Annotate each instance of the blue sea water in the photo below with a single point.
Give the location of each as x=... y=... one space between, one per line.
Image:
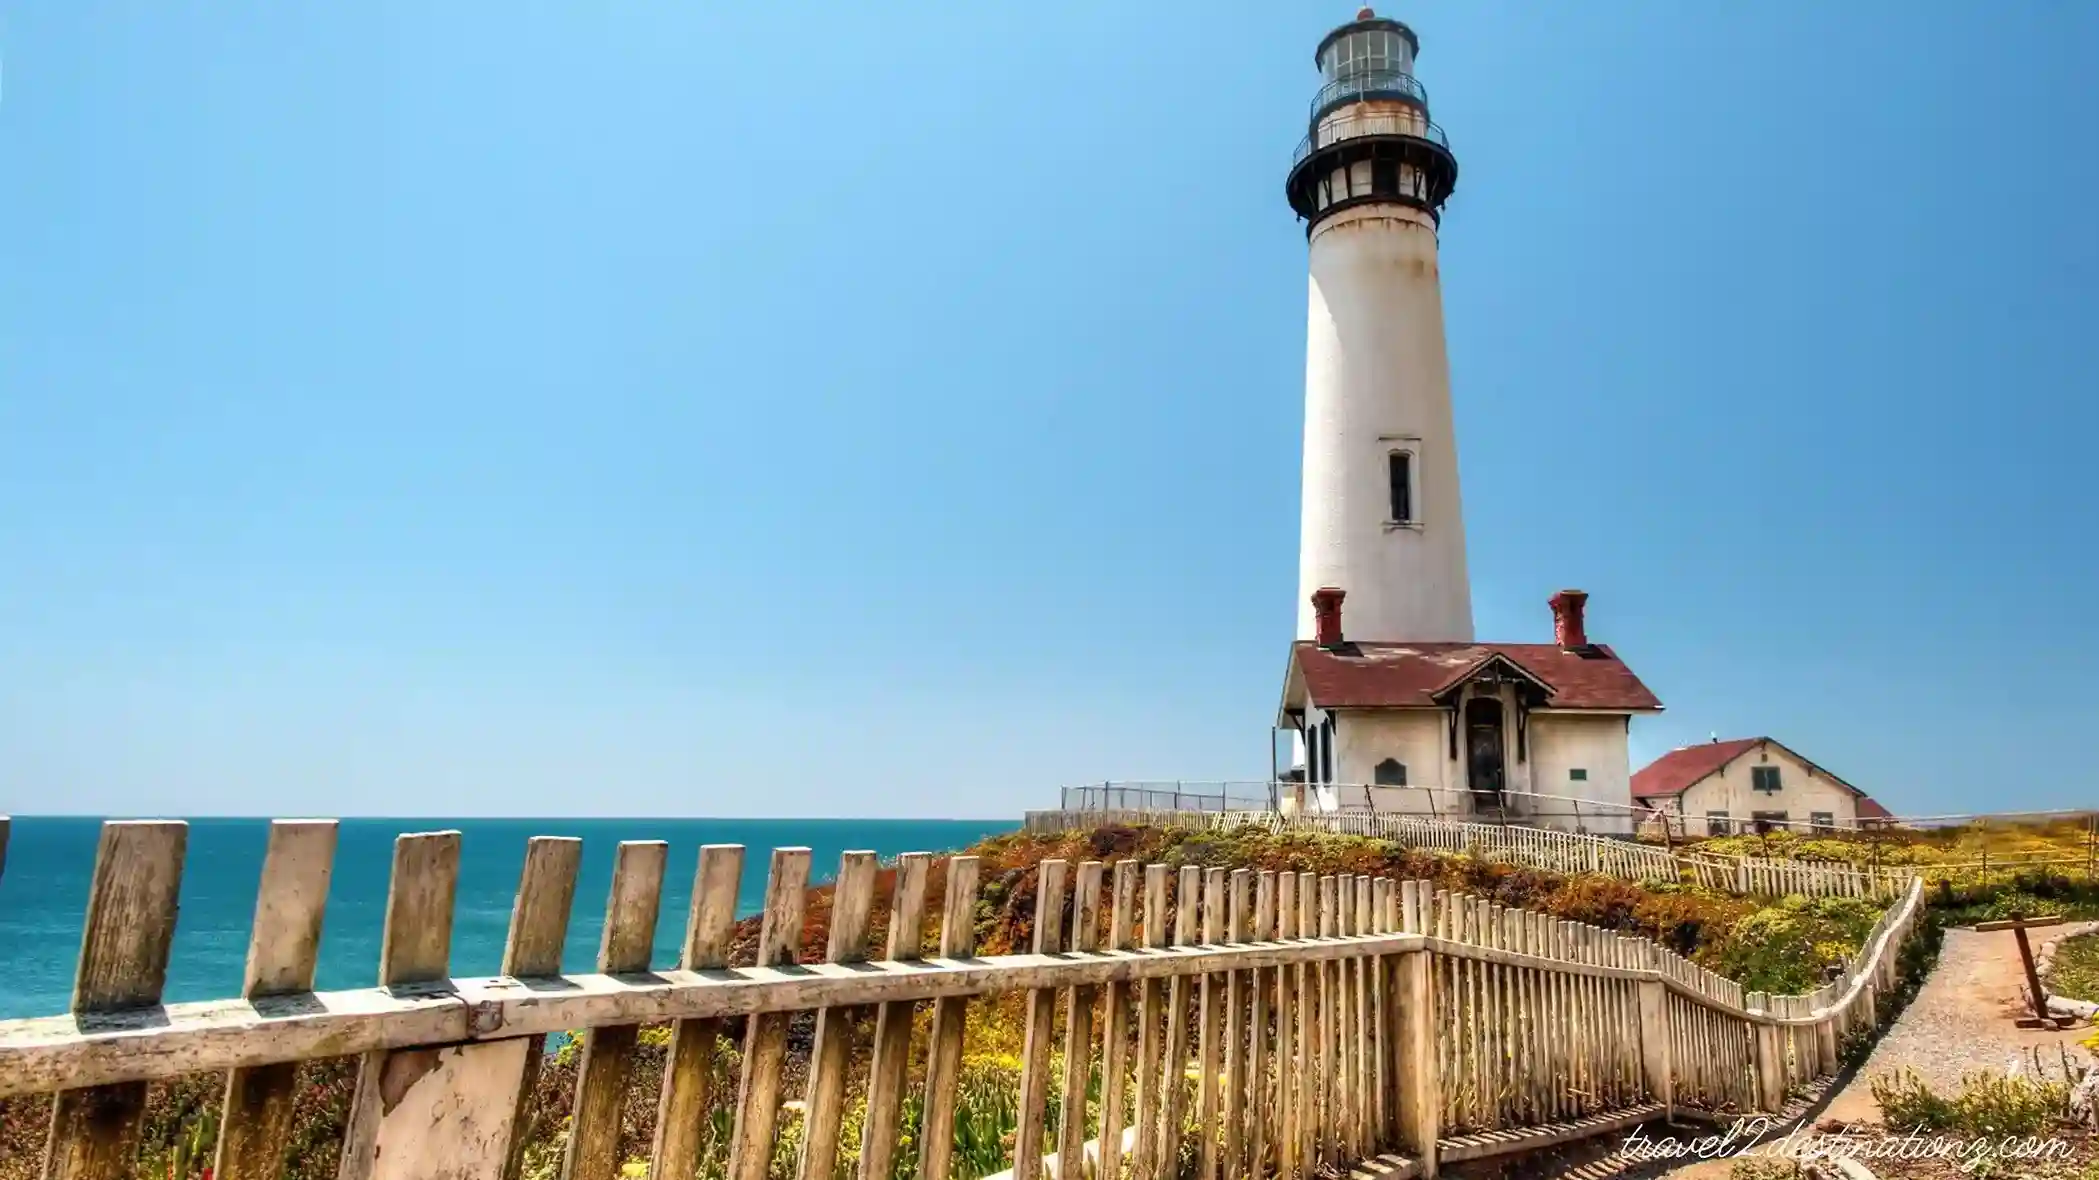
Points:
x=49 y=860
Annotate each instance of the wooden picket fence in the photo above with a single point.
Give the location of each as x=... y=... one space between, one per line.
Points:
x=1539 y=848
x=1761 y=877
x=1252 y=1024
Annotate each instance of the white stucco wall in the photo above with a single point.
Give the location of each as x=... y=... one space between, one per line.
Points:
x=1802 y=792
x=1596 y=743
x=1557 y=744
x=1416 y=737
x=1377 y=380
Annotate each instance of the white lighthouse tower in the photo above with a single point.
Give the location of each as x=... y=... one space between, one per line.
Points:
x=1382 y=519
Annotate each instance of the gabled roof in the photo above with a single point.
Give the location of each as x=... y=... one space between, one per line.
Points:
x=1414 y=675
x=1677 y=771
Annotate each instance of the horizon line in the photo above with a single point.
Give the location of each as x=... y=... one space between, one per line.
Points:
x=594 y=818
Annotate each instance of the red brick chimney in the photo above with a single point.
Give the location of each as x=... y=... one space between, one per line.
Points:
x=1567 y=628
x=1326 y=615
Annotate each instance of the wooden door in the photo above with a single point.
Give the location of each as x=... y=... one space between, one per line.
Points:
x=1484 y=768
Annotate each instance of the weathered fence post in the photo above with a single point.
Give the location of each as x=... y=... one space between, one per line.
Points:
x=836 y=1040
x=129 y=929
x=1769 y=1049
x=689 y=1060
x=765 y=1035
x=944 y=1043
x=282 y=950
x=1115 y=1029
x=539 y=918
x=1420 y=1104
x=431 y=1110
x=1826 y=1043
x=624 y=945
x=1655 y=1055
x=1041 y=1017
x=1078 y=1027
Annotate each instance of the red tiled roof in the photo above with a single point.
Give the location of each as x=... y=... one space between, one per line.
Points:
x=1672 y=772
x=1410 y=675
x=1677 y=770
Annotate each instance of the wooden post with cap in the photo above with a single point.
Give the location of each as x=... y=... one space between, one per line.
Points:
x=2019 y=924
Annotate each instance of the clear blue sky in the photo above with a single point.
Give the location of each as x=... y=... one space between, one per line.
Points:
x=857 y=409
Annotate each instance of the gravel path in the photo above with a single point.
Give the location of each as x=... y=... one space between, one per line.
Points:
x=1960 y=1023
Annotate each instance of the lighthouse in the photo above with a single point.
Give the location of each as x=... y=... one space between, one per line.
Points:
x=1389 y=701
x=1381 y=512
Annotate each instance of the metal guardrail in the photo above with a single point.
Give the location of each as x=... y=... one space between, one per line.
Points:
x=1341 y=130
x=1418 y=801
x=1369 y=84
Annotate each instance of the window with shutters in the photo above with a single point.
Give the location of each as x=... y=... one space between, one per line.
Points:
x=1764 y=778
x=1389 y=773
x=1399 y=467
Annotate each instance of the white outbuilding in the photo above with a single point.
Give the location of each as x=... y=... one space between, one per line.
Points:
x=1720 y=788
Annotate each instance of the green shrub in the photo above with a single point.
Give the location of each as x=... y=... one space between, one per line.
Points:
x=1992 y=1105
x=1907 y=1104
x=2076 y=970
x=1998 y=1105
x=1764 y=1167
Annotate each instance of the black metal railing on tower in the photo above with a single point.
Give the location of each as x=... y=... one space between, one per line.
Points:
x=1336 y=130
x=1362 y=84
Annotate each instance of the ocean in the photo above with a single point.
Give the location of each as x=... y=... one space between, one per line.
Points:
x=50 y=860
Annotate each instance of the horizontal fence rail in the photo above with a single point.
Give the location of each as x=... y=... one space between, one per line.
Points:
x=1519 y=807
x=1182 y=1020
x=1524 y=808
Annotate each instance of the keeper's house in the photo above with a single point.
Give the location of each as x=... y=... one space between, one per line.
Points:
x=1529 y=731
x=1749 y=785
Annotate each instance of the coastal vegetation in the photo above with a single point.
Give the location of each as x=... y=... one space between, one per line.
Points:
x=1782 y=946
x=2076 y=972
x=2068 y=845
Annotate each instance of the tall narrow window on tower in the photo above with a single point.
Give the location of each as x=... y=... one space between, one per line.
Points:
x=1400 y=467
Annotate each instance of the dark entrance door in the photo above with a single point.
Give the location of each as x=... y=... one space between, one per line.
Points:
x=1483 y=748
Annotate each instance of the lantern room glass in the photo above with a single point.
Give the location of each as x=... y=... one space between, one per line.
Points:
x=1368 y=51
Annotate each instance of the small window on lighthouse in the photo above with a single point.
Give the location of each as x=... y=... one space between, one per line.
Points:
x=1400 y=466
